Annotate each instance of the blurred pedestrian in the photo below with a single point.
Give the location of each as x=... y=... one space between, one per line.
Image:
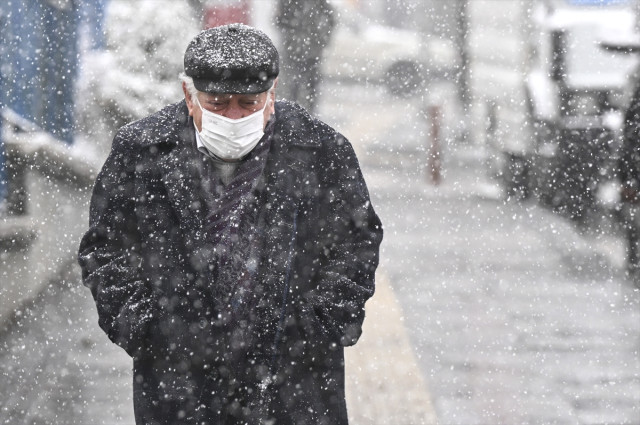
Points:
x=39 y=63
x=629 y=174
x=232 y=246
x=305 y=28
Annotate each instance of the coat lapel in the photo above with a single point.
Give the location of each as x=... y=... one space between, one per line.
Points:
x=182 y=171
x=294 y=147
x=289 y=173
x=183 y=178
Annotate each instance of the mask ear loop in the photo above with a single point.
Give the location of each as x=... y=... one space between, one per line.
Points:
x=197 y=101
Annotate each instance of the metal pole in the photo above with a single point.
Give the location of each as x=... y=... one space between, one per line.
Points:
x=463 y=49
x=4 y=34
x=434 y=163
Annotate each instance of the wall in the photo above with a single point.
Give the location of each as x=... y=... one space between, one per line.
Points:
x=51 y=187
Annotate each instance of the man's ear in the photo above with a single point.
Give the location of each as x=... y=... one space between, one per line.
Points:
x=187 y=98
x=273 y=91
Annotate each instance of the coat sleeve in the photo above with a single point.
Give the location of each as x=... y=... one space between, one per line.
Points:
x=109 y=253
x=350 y=237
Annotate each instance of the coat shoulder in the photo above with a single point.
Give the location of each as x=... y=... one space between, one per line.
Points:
x=160 y=127
x=301 y=129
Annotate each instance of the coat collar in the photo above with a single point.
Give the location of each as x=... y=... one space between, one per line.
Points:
x=295 y=126
x=295 y=138
x=172 y=126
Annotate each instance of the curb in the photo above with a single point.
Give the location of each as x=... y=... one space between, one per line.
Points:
x=384 y=384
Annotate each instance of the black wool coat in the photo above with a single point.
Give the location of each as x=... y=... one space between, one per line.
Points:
x=148 y=259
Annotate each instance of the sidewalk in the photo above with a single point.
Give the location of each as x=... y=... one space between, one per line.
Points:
x=516 y=316
x=384 y=384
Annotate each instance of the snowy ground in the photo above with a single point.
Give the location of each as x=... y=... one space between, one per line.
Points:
x=513 y=316
x=516 y=316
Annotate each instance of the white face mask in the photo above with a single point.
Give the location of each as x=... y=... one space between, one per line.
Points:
x=231 y=139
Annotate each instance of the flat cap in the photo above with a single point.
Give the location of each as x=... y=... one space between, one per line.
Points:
x=232 y=58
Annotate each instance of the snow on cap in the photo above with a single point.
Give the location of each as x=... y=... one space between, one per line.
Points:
x=232 y=58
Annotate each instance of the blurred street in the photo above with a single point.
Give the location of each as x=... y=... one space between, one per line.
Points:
x=514 y=315
x=487 y=312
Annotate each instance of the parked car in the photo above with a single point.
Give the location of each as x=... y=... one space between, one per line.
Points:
x=624 y=193
x=401 y=59
x=575 y=142
x=550 y=96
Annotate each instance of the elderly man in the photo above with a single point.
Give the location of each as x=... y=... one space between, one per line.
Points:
x=232 y=246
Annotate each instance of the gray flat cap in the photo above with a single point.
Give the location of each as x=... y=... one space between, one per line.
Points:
x=232 y=58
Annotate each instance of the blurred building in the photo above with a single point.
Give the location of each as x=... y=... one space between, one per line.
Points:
x=41 y=63
x=39 y=46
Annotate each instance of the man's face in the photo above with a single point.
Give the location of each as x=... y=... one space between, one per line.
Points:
x=233 y=106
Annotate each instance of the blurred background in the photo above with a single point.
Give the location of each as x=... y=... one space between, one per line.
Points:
x=492 y=136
